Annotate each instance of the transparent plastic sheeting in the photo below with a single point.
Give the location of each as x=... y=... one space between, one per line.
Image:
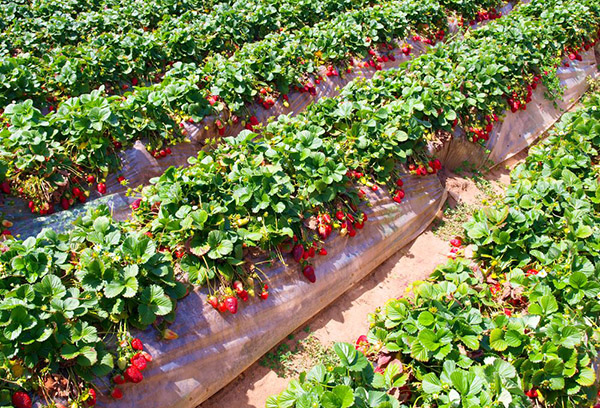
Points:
x=139 y=166
x=213 y=348
x=521 y=129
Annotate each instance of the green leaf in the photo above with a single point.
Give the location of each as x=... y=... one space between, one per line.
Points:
x=497 y=341
x=586 y=377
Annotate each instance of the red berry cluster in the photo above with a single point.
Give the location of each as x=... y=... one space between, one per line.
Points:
x=132 y=361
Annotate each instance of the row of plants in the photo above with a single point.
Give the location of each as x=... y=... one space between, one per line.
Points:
x=119 y=59
x=221 y=26
x=68 y=299
x=44 y=157
x=50 y=73
x=519 y=327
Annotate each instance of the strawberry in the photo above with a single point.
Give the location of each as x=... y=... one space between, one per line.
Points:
x=254 y=120
x=309 y=273
x=136 y=204
x=339 y=215
x=91 y=401
x=5 y=186
x=264 y=295
x=101 y=187
x=133 y=374
x=311 y=252
x=222 y=307
x=20 y=399
x=437 y=165
x=91 y=179
x=243 y=295
x=359 y=225
x=147 y=356
x=237 y=285
x=399 y=183
x=323 y=252
x=231 y=304
x=119 y=379
x=134 y=81
x=116 y=393
x=120 y=179
x=162 y=153
x=64 y=203
x=82 y=198
x=456 y=242
x=213 y=301
x=374 y=187
x=76 y=191
x=507 y=312
x=326 y=219
x=137 y=344
x=298 y=252
x=532 y=272
x=139 y=361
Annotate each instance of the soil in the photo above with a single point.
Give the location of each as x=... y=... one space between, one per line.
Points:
x=346 y=318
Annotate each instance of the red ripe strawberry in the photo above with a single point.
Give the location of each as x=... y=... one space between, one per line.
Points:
x=82 y=198
x=309 y=273
x=411 y=167
x=375 y=187
x=133 y=374
x=326 y=218
x=311 y=252
x=231 y=304
x=298 y=252
x=400 y=194
x=254 y=120
x=532 y=272
x=213 y=301
x=359 y=225
x=323 y=252
x=91 y=179
x=91 y=401
x=572 y=56
x=5 y=187
x=139 y=361
x=120 y=179
x=264 y=295
x=76 y=191
x=437 y=164
x=243 y=295
x=20 y=399
x=222 y=307
x=237 y=285
x=101 y=187
x=64 y=203
x=351 y=231
x=456 y=242
x=136 y=204
x=350 y=217
x=134 y=81
x=339 y=215
x=137 y=344
x=118 y=379
x=116 y=393
x=507 y=312
x=147 y=356
x=162 y=153
x=322 y=229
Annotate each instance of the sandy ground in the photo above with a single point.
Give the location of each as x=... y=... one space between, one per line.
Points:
x=346 y=318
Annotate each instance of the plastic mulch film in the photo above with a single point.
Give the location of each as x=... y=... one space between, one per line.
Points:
x=213 y=348
x=139 y=166
x=519 y=130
